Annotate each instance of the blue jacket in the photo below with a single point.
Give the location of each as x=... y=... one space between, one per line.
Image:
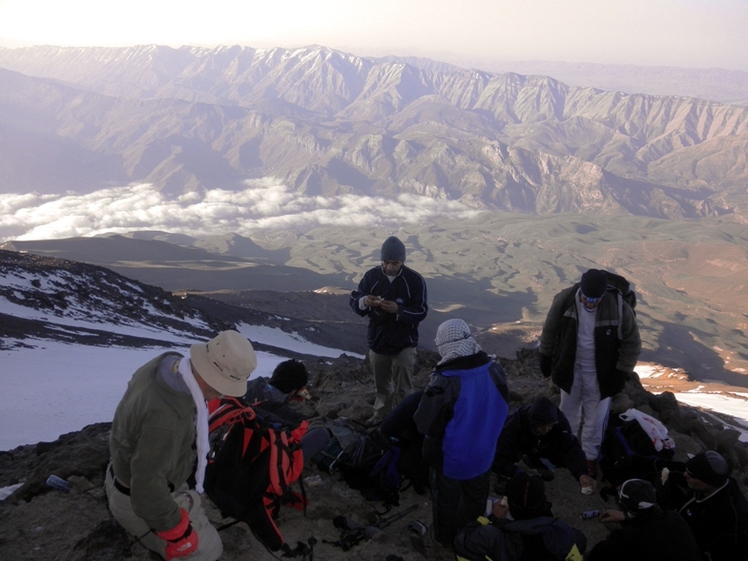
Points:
x=389 y=334
x=461 y=415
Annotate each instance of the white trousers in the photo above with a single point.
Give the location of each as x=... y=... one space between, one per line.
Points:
x=584 y=406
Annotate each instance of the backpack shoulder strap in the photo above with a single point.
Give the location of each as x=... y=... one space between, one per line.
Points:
x=229 y=411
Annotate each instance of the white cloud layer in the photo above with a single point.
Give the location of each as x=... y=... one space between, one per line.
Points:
x=264 y=204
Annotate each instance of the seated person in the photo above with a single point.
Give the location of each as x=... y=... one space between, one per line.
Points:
x=647 y=533
x=401 y=429
x=521 y=527
x=271 y=397
x=541 y=432
x=287 y=383
x=711 y=503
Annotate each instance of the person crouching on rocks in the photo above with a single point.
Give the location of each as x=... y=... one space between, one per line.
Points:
x=158 y=424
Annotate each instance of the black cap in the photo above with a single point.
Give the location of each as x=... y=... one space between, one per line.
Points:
x=594 y=283
x=525 y=494
x=637 y=494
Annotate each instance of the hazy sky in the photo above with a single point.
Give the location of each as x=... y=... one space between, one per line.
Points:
x=685 y=33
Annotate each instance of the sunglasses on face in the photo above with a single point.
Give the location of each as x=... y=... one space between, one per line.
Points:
x=588 y=300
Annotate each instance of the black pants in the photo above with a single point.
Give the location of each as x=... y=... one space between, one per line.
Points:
x=456 y=502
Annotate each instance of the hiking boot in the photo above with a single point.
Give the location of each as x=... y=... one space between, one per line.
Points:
x=592 y=468
x=375 y=420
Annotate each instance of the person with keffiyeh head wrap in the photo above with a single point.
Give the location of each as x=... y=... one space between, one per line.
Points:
x=159 y=438
x=460 y=415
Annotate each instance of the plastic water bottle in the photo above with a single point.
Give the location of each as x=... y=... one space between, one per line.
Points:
x=59 y=483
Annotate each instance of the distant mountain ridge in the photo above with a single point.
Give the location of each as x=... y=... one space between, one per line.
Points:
x=327 y=123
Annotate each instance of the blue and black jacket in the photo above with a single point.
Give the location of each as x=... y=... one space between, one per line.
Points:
x=461 y=415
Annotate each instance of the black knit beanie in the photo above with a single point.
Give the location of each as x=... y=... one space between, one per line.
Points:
x=709 y=467
x=289 y=376
x=594 y=283
x=542 y=413
x=393 y=250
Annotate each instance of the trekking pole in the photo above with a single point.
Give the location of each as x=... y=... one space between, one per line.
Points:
x=384 y=522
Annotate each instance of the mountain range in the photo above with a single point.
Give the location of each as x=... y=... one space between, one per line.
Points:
x=650 y=186
x=324 y=123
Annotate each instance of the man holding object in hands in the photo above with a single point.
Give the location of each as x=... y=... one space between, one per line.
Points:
x=393 y=297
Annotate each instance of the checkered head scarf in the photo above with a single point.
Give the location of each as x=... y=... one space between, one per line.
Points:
x=453 y=339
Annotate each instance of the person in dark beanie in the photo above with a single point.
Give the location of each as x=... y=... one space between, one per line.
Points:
x=394 y=298
x=287 y=383
x=520 y=527
x=647 y=533
x=273 y=398
x=589 y=346
x=540 y=433
x=711 y=503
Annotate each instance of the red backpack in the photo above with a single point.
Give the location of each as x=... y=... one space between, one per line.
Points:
x=253 y=462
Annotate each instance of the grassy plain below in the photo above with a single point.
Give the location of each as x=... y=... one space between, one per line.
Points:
x=498 y=271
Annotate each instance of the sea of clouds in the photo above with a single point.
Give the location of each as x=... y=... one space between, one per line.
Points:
x=263 y=204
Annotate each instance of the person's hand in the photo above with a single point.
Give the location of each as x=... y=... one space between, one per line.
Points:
x=181 y=540
x=372 y=301
x=664 y=474
x=389 y=306
x=611 y=515
x=500 y=508
x=587 y=483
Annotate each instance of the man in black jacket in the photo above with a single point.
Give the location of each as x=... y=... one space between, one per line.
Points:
x=712 y=505
x=647 y=533
x=589 y=345
x=394 y=299
x=541 y=433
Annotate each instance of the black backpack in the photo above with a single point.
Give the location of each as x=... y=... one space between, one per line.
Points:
x=623 y=287
x=627 y=452
x=254 y=460
x=372 y=468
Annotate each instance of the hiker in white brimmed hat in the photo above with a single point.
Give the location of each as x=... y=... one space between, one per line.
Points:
x=159 y=423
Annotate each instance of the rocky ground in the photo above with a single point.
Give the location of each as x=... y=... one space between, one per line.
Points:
x=40 y=523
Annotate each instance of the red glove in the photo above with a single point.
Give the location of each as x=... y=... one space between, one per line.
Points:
x=181 y=540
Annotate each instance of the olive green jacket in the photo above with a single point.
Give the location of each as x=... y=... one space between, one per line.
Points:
x=151 y=443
